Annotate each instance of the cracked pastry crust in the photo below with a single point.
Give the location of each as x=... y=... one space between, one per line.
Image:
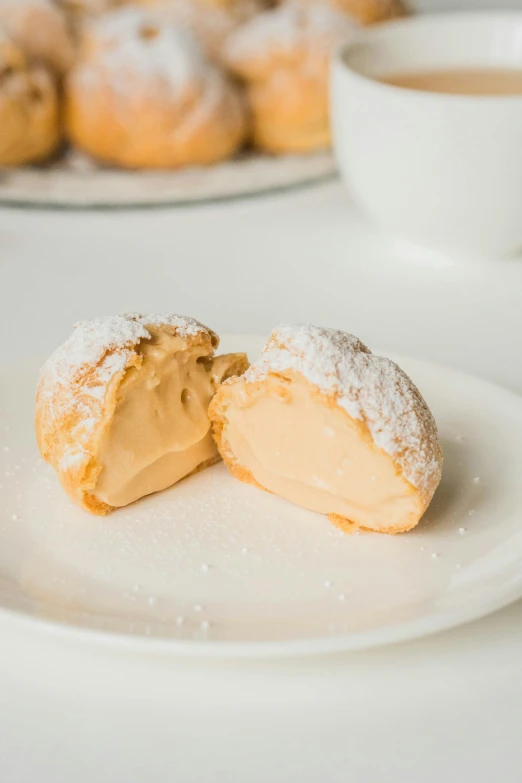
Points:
x=367 y=402
x=121 y=397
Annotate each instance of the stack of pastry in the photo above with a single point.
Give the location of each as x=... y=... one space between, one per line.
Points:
x=170 y=83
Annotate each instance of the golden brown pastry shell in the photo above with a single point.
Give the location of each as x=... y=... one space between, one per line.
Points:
x=290 y=111
x=218 y=416
x=30 y=116
x=56 y=422
x=148 y=131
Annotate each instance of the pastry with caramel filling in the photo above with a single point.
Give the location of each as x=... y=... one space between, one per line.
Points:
x=121 y=406
x=322 y=422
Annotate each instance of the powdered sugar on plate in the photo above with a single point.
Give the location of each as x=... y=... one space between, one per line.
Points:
x=370 y=388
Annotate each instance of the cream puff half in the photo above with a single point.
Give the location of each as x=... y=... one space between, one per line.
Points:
x=326 y=424
x=121 y=406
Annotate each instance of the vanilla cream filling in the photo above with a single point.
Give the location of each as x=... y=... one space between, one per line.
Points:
x=160 y=431
x=316 y=456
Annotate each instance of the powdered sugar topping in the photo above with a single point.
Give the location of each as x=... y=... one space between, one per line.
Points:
x=211 y=25
x=139 y=48
x=184 y=326
x=105 y=345
x=314 y=26
x=89 y=344
x=370 y=388
x=75 y=379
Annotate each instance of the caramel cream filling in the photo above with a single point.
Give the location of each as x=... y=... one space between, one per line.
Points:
x=160 y=431
x=316 y=456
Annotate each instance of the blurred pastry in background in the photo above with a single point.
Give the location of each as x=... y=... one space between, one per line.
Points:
x=29 y=108
x=283 y=57
x=211 y=24
x=79 y=10
x=239 y=10
x=171 y=83
x=145 y=95
x=370 y=11
x=41 y=29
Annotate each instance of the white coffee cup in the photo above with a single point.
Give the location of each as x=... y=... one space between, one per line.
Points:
x=442 y=170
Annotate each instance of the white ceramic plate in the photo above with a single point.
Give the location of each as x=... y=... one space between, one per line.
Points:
x=215 y=567
x=77 y=182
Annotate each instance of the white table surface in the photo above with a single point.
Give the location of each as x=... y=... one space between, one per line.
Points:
x=447 y=708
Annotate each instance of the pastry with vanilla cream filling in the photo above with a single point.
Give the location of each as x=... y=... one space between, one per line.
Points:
x=122 y=406
x=144 y=94
x=326 y=424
